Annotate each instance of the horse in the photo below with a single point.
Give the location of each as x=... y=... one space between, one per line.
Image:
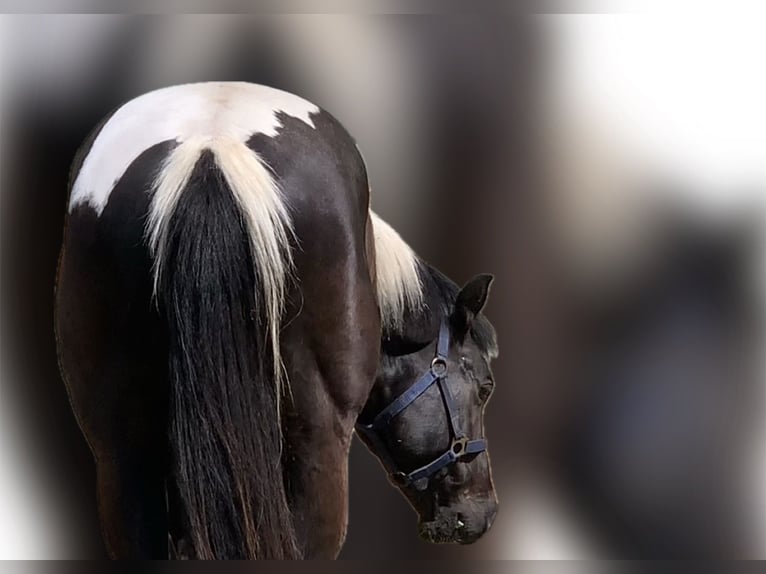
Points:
x=230 y=311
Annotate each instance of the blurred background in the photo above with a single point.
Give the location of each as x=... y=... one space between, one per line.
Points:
x=609 y=169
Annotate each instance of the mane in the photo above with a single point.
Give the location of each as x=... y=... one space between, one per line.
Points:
x=398 y=282
x=482 y=332
x=410 y=289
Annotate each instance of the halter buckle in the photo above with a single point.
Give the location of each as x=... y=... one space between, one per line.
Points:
x=439 y=367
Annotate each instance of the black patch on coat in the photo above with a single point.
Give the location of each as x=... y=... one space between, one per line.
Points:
x=112 y=354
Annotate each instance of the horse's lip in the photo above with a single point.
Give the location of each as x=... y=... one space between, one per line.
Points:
x=435 y=532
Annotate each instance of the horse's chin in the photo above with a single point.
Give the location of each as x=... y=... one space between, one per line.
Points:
x=464 y=522
x=445 y=531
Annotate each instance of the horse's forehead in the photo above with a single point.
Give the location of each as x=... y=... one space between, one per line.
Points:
x=232 y=109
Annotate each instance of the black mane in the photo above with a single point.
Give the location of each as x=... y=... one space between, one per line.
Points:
x=445 y=291
x=421 y=325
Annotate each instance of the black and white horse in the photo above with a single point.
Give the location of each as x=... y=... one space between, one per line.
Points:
x=228 y=310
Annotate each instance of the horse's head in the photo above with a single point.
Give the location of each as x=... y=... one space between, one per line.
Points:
x=425 y=416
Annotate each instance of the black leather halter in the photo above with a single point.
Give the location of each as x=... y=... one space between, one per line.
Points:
x=460 y=446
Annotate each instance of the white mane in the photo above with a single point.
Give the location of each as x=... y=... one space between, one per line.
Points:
x=397 y=274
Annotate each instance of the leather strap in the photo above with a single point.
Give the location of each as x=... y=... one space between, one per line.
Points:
x=442 y=347
x=471 y=447
x=404 y=400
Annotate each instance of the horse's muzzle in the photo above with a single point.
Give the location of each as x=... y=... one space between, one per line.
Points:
x=461 y=523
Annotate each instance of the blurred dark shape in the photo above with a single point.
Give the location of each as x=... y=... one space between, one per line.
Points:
x=657 y=450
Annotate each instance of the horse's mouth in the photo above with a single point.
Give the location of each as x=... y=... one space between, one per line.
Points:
x=460 y=524
x=448 y=532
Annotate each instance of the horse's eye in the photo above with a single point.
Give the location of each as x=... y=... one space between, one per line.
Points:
x=485 y=390
x=466 y=363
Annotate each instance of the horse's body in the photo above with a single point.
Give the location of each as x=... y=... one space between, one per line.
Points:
x=227 y=300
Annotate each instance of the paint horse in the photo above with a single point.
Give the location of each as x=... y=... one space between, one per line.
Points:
x=229 y=310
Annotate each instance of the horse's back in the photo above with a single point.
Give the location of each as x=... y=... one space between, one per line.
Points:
x=295 y=137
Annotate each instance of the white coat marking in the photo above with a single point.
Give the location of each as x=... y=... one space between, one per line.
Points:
x=236 y=110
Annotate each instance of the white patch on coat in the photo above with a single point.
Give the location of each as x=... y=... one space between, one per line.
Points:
x=236 y=110
x=398 y=282
x=262 y=205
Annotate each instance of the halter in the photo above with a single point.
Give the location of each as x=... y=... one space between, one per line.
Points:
x=460 y=447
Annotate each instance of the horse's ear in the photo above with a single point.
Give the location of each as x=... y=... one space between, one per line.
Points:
x=470 y=301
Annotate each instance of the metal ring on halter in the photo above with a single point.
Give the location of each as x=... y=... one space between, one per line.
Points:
x=458 y=446
x=439 y=367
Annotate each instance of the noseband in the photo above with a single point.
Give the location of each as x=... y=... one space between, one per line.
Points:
x=460 y=445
